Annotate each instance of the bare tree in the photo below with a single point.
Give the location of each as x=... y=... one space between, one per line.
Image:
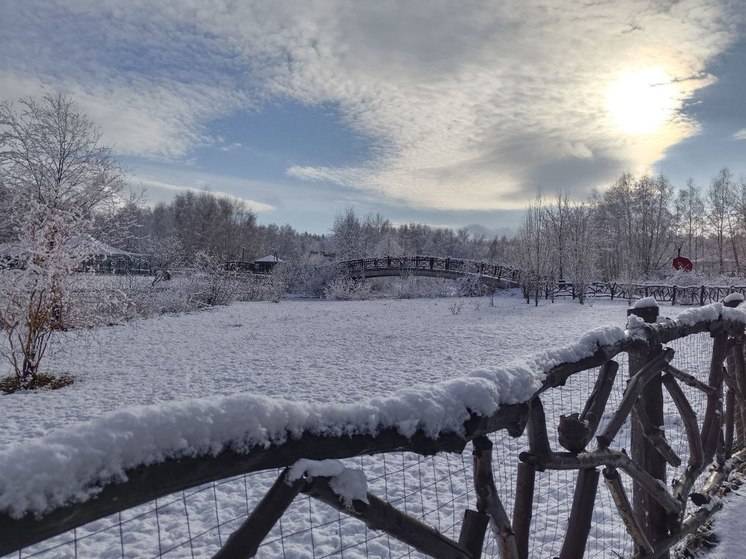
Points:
x=720 y=198
x=56 y=175
x=690 y=210
x=579 y=247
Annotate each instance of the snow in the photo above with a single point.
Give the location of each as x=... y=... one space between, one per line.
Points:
x=645 y=303
x=348 y=483
x=140 y=390
x=729 y=527
x=71 y=464
x=735 y=296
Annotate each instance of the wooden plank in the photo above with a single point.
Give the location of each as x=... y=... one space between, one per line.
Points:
x=244 y=542
x=523 y=506
x=380 y=515
x=579 y=524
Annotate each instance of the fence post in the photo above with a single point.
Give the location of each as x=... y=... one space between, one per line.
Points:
x=736 y=415
x=673 y=296
x=702 y=296
x=652 y=517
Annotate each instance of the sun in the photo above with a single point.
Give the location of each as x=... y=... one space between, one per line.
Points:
x=641 y=102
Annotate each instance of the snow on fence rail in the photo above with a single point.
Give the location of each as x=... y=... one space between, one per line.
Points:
x=424 y=470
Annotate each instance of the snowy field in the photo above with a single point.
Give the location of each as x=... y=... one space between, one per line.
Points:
x=324 y=352
x=308 y=350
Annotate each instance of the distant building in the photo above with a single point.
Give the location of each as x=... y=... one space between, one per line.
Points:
x=266 y=264
x=263 y=265
x=102 y=259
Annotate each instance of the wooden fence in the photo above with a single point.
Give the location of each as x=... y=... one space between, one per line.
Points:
x=657 y=513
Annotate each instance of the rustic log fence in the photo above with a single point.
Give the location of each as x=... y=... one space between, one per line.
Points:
x=622 y=452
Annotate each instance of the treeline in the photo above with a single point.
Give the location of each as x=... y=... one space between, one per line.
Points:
x=374 y=235
x=191 y=224
x=174 y=233
x=634 y=229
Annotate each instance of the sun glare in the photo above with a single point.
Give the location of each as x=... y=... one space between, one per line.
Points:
x=642 y=101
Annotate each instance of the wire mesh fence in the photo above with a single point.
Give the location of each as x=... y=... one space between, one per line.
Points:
x=434 y=489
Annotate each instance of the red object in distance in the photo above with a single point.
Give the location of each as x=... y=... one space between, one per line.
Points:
x=682 y=263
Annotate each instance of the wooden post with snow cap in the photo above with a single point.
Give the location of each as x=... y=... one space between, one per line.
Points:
x=651 y=516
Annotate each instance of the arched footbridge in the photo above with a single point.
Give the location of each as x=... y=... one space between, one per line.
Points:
x=492 y=275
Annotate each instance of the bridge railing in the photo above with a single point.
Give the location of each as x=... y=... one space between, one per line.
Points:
x=418 y=470
x=404 y=264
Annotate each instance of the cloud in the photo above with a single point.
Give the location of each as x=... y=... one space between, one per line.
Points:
x=740 y=135
x=151 y=184
x=470 y=106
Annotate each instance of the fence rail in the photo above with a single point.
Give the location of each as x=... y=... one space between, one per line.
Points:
x=664 y=405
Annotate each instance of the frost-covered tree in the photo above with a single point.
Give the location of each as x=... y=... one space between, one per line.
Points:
x=720 y=214
x=348 y=236
x=690 y=212
x=56 y=174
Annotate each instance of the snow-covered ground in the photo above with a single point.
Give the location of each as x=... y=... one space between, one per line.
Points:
x=324 y=352
x=730 y=527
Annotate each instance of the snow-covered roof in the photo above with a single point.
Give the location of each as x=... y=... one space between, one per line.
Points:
x=269 y=258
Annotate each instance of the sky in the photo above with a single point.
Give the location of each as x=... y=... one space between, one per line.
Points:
x=441 y=112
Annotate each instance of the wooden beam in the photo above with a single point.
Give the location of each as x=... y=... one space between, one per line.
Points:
x=616 y=488
x=688 y=379
x=636 y=384
x=596 y=403
x=245 y=541
x=523 y=506
x=579 y=524
x=380 y=515
x=538 y=441
x=655 y=436
x=488 y=500
x=473 y=530
x=712 y=422
x=607 y=457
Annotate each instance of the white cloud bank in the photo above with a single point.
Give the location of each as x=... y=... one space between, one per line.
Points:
x=469 y=105
x=740 y=135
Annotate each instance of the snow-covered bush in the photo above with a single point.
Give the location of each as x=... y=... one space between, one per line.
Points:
x=215 y=285
x=347 y=289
